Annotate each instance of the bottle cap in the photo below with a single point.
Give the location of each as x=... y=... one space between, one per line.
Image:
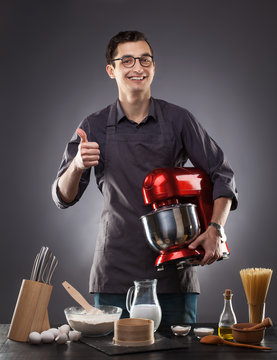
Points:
x=228 y=293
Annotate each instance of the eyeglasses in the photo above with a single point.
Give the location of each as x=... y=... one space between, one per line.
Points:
x=129 y=61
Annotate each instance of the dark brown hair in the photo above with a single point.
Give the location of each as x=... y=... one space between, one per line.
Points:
x=122 y=37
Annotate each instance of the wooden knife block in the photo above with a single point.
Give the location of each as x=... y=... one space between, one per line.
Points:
x=30 y=313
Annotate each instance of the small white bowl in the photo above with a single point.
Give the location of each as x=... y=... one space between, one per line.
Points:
x=200 y=332
x=180 y=330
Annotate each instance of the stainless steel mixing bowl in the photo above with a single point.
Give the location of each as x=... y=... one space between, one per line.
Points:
x=171 y=227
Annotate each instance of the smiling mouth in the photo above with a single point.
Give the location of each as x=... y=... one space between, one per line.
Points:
x=136 y=78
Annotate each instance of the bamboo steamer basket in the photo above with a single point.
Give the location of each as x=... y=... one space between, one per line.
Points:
x=134 y=332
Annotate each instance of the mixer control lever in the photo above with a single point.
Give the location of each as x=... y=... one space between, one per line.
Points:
x=160 y=268
x=180 y=265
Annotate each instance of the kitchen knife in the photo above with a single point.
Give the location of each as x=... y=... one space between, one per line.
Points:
x=44 y=261
x=51 y=270
x=33 y=273
x=37 y=263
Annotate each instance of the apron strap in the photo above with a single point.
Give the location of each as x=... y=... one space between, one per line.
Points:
x=111 y=123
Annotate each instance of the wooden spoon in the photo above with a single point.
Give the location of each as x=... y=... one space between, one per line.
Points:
x=214 y=339
x=267 y=322
x=80 y=299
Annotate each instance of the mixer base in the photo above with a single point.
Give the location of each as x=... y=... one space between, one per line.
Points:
x=182 y=258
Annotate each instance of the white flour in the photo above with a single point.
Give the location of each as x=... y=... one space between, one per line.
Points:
x=91 y=324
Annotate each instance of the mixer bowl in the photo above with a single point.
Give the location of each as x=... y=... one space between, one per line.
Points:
x=171 y=227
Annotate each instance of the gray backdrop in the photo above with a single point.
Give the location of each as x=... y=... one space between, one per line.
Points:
x=215 y=57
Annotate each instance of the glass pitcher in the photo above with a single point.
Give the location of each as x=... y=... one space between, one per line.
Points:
x=142 y=301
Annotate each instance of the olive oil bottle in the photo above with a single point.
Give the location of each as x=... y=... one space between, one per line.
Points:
x=227 y=317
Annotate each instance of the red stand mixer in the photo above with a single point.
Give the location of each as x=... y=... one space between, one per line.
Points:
x=182 y=208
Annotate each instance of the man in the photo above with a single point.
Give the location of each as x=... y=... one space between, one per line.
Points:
x=123 y=142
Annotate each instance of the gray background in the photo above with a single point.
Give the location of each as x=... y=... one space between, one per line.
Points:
x=216 y=58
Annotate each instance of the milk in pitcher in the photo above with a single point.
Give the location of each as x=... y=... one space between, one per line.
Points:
x=147 y=311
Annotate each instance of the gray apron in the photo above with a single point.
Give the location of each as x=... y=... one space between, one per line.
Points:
x=122 y=253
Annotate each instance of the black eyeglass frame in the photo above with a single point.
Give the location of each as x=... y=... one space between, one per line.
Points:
x=135 y=58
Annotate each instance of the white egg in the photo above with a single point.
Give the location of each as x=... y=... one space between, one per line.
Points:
x=74 y=335
x=47 y=337
x=34 y=338
x=64 y=328
x=61 y=338
x=54 y=331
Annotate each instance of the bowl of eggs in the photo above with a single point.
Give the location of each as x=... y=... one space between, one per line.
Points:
x=92 y=324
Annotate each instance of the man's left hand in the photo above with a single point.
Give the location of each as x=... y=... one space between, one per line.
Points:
x=210 y=241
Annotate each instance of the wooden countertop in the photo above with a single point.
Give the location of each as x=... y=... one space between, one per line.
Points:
x=193 y=350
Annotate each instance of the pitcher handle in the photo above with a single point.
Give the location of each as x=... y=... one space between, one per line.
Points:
x=129 y=298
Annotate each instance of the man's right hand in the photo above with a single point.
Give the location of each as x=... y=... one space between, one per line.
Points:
x=88 y=152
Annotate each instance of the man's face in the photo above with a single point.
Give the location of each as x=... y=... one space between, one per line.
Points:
x=136 y=78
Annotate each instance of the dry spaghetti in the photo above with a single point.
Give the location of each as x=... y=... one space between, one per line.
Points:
x=256 y=282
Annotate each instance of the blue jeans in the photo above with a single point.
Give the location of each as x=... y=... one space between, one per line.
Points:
x=176 y=308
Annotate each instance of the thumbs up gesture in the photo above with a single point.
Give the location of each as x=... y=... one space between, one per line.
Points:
x=88 y=152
